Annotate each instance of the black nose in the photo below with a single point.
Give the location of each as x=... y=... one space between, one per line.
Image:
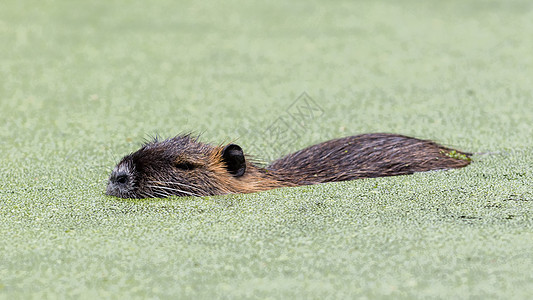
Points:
x=122 y=179
x=119 y=178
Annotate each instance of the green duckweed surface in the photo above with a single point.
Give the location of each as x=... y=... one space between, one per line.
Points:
x=84 y=83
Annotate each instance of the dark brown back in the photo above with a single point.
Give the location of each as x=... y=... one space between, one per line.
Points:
x=365 y=156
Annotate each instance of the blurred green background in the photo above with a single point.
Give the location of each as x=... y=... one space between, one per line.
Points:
x=84 y=83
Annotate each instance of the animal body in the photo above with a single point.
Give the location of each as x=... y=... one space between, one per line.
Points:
x=184 y=166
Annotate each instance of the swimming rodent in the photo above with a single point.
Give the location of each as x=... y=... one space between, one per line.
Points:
x=184 y=166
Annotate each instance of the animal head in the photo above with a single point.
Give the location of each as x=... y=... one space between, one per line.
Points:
x=180 y=166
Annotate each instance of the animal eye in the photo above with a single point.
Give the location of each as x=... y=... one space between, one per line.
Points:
x=185 y=166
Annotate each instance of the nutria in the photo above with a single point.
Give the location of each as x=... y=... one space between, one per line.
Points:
x=183 y=166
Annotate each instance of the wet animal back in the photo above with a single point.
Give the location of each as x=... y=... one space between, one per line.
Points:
x=364 y=156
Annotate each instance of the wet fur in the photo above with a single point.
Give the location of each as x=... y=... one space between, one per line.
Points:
x=183 y=166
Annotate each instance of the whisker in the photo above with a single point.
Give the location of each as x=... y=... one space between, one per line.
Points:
x=160 y=194
x=148 y=195
x=178 y=183
x=156 y=187
x=179 y=191
x=156 y=194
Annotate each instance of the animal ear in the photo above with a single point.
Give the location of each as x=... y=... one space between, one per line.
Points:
x=233 y=156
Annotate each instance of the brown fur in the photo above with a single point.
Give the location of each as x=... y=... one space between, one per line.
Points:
x=183 y=166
